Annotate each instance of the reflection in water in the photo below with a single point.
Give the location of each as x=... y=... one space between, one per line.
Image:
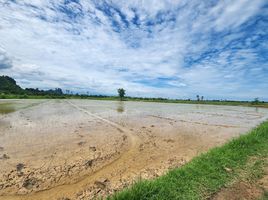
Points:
x=197 y=107
x=7 y=108
x=120 y=107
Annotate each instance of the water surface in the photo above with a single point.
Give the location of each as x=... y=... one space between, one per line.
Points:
x=67 y=145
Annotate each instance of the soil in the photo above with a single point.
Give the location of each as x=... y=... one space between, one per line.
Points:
x=245 y=190
x=77 y=149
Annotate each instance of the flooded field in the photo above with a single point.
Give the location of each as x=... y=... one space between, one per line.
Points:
x=77 y=149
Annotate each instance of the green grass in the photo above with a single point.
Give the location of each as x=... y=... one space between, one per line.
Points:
x=205 y=174
x=137 y=99
x=265 y=196
x=206 y=102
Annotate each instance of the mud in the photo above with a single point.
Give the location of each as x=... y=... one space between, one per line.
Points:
x=242 y=190
x=246 y=190
x=78 y=149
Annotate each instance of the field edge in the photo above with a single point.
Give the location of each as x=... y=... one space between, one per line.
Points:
x=206 y=174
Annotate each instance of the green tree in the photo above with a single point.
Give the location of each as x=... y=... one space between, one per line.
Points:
x=121 y=93
x=9 y=86
x=256 y=101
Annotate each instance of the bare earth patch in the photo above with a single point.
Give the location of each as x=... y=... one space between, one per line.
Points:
x=245 y=190
x=84 y=149
x=240 y=191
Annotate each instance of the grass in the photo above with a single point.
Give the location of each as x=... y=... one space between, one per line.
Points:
x=205 y=174
x=138 y=99
x=265 y=196
x=205 y=102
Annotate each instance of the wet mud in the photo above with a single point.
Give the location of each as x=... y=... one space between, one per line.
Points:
x=79 y=149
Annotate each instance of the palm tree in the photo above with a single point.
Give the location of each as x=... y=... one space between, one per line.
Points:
x=198 y=98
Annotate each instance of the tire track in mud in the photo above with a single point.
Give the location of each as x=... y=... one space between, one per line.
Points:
x=194 y=122
x=70 y=190
x=115 y=125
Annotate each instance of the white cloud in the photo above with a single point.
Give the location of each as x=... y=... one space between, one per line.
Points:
x=75 y=46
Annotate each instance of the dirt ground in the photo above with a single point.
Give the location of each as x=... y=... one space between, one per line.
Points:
x=244 y=190
x=75 y=149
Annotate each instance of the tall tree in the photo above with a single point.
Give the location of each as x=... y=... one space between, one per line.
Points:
x=256 y=101
x=121 y=93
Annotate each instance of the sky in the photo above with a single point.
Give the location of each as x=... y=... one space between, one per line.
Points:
x=154 y=48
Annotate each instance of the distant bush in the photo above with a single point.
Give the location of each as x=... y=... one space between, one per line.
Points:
x=47 y=96
x=256 y=101
x=25 y=96
x=2 y=96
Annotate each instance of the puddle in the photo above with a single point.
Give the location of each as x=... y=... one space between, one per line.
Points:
x=120 y=107
x=7 y=108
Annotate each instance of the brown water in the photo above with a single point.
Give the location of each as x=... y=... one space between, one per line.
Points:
x=7 y=108
x=50 y=149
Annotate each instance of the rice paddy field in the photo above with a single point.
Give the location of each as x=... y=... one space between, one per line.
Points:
x=83 y=149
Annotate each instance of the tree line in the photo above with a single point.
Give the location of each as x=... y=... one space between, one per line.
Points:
x=9 y=86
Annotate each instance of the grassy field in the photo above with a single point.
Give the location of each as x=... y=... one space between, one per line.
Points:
x=206 y=174
x=160 y=100
x=206 y=102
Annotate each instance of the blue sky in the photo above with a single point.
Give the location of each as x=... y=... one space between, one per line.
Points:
x=156 y=48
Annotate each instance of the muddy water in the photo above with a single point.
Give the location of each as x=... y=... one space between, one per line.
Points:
x=78 y=149
x=9 y=106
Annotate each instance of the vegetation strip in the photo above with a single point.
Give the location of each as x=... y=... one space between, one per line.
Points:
x=10 y=90
x=204 y=175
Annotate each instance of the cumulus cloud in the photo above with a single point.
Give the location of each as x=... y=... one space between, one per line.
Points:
x=155 y=48
x=5 y=61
